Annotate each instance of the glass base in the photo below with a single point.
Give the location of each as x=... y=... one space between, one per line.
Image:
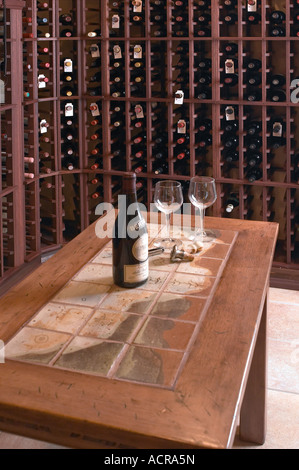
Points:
x=167 y=243
x=203 y=237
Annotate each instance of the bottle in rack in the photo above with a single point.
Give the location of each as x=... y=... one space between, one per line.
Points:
x=253 y=173
x=130 y=239
x=232 y=202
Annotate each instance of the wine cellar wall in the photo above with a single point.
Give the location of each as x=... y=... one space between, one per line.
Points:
x=168 y=89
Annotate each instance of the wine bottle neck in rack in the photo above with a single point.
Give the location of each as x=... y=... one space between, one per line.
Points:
x=232 y=202
x=253 y=158
x=231 y=156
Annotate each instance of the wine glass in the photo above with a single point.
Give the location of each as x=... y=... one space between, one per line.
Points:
x=168 y=198
x=202 y=194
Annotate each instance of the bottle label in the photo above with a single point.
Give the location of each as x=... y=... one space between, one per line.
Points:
x=136 y=272
x=140 y=248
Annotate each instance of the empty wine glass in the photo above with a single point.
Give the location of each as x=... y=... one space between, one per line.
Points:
x=168 y=198
x=202 y=194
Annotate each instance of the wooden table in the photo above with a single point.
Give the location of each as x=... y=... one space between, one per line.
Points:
x=168 y=377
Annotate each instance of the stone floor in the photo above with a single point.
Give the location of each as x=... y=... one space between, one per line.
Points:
x=283 y=380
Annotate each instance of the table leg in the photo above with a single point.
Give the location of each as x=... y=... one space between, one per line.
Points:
x=253 y=410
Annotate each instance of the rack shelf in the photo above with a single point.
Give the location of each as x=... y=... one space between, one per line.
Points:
x=96 y=93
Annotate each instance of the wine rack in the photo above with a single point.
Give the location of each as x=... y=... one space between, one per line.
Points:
x=168 y=89
x=12 y=224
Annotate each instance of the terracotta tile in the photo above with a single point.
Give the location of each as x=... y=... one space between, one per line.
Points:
x=105 y=324
x=152 y=366
x=35 y=345
x=128 y=300
x=284 y=296
x=89 y=355
x=161 y=262
x=61 y=317
x=82 y=293
x=190 y=284
x=104 y=257
x=215 y=250
x=97 y=273
x=283 y=321
x=282 y=423
x=155 y=280
x=178 y=307
x=201 y=265
x=283 y=365
x=165 y=333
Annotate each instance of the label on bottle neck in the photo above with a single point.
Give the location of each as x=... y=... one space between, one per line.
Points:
x=140 y=248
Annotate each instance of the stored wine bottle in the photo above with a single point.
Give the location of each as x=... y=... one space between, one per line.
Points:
x=231 y=156
x=130 y=239
x=277 y=80
x=204 y=93
x=230 y=79
x=204 y=63
x=230 y=18
x=276 y=31
x=253 y=79
x=275 y=95
x=254 y=158
x=253 y=127
x=66 y=33
x=254 y=174
x=231 y=48
x=253 y=142
x=232 y=202
x=230 y=140
x=253 y=65
x=253 y=17
x=65 y=19
x=67 y=91
x=68 y=163
x=253 y=94
x=277 y=16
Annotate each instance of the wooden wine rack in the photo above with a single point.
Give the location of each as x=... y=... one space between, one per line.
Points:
x=59 y=203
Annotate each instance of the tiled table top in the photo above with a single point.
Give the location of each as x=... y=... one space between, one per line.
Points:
x=141 y=335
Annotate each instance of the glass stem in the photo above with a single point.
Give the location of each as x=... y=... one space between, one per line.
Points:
x=201 y=219
x=167 y=217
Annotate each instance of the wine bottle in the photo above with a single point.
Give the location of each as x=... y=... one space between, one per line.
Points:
x=253 y=127
x=232 y=202
x=231 y=156
x=254 y=158
x=253 y=65
x=253 y=79
x=230 y=79
x=275 y=95
x=254 y=174
x=130 y=239
x=277 y=16
x=204 y=63
x=230 y=140
x=204 y=93
x=66 y=19
x=253 y=94
x=276 y=31
x=68 y=163
x=231 y=48
x=253 y=17
x=253 y=143
x=66 y=33
x=230 y=18
x=277 y=80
